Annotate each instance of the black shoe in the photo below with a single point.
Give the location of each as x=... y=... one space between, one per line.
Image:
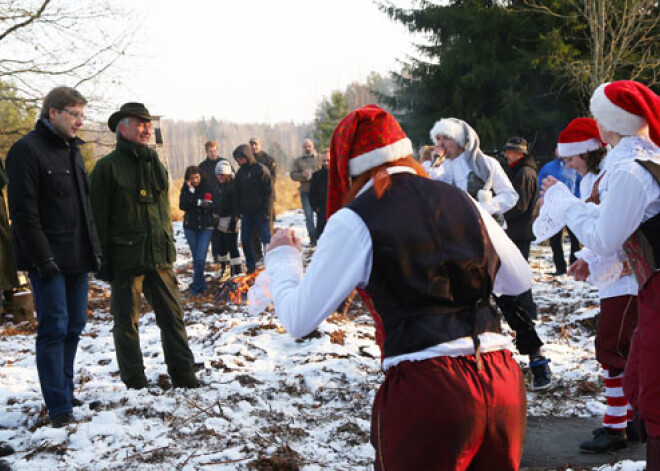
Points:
x=605 y=440
x=138 y=384
x=5 y=466
x=190 y=384
x=75 y=402
x=542 y=377
x=61 y=420
x=6 y=449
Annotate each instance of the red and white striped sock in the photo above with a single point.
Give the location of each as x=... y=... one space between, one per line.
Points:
x=616 y=415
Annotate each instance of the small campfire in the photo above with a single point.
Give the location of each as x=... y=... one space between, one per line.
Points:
x=234 y=290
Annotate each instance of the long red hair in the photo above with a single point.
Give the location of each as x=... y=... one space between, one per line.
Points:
x=381 y=177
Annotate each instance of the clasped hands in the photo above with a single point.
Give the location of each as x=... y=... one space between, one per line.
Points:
x=284 y=237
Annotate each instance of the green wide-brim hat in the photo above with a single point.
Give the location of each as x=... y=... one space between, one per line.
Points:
x=129 y=109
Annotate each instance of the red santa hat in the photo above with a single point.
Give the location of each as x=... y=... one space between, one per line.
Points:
x=580 y=136
x=364 y=139
x=627 y=107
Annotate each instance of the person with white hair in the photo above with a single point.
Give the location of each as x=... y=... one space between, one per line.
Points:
x=627 y=113
x=463 y=164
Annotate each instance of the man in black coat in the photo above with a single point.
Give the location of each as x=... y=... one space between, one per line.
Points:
x=54 y=239
x=207 y=170
x=253 y=193
x=523 y=173
x=318 y=192
x=269 y=162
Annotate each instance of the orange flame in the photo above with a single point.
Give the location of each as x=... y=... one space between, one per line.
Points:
x=235 y=289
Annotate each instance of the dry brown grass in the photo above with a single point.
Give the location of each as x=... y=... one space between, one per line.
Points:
x=285 y=189
x=288 y=197
x=175 y=191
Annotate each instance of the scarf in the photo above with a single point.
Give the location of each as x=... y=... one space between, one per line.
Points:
x=152 y=177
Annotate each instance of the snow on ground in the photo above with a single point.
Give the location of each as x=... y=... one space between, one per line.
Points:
x=268 y=400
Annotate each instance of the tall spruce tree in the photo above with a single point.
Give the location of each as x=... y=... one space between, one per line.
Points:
x=485 y=62
x=328 y=114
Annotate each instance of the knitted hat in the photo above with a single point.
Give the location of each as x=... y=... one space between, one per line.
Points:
x=626 y=107
x=223 y=168
x=517 y=144
x=364 y=139
x=450 y=127
x=580 y=136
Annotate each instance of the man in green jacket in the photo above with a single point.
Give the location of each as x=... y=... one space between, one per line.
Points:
x=8 y=278
x=132 y=213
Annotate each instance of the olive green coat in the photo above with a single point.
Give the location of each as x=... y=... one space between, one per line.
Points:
x=8 y=278
x=135 y=231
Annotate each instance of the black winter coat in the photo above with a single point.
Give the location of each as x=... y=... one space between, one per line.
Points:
x=223 y=203
x=49 y=203
x=519 y=219
x=253 y=189
x=265 y=159
x=196 y=217
x=318 y=190
x=207 y=169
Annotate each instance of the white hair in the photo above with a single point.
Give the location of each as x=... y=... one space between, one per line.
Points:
x=122 y=122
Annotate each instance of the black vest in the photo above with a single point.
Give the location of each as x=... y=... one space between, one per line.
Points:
x=643 y=247
x=433 y=264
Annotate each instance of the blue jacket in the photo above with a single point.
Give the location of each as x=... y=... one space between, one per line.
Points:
x=569 y=177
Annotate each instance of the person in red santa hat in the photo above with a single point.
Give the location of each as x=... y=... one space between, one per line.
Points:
x=425 y=258
x=579 y=145
x=627 y=114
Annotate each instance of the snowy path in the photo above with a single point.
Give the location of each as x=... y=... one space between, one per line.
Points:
x=268 y=399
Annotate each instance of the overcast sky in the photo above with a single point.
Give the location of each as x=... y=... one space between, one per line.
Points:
x=257 y=60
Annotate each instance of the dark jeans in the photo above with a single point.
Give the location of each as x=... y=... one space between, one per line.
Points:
x=61 y=304
x=519 y=312
x=215 y=243
x=198 y=241
x=309 y=216
x=229 y=245
x=320 y=220
x=162 y=293
x=556 y=243
x=249 y=224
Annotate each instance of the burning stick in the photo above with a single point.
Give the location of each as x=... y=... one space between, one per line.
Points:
x=235 y=289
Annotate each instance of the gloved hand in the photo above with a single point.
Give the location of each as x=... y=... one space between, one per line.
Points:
x=104 y=274
x=48 y=269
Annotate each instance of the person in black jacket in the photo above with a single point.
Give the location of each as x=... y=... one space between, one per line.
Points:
x=523 y=173
x=196 y=200
x=265 y=159
x=223 y=207
x=318 y=192
x=207 y=170
x=253 y=192
x=520 y=310
x=54 y=239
